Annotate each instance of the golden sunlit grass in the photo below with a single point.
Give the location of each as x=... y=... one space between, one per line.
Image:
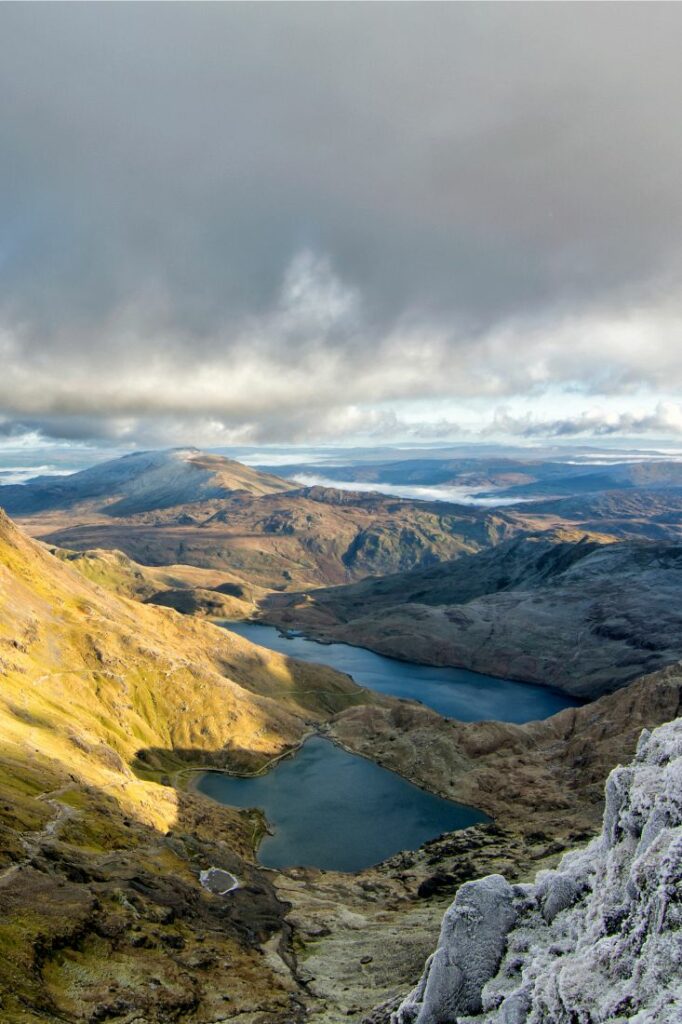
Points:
x=103 y=701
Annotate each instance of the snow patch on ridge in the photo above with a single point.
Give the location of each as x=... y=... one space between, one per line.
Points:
x=597 y=941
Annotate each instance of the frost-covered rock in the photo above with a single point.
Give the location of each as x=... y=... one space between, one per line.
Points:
x=472 y=940
x=598 y=940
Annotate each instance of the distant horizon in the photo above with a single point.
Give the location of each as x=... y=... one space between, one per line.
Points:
x=20 y=464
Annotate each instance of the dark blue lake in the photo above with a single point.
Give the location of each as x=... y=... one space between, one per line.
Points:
x=334 y=810
x=453 y=692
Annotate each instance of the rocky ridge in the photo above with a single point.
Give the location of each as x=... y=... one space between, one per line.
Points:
x=598 y=939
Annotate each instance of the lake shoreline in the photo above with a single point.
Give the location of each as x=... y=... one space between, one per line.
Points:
x=334 y=809
x=192 y=776
x=306 y=633
x=450 y=691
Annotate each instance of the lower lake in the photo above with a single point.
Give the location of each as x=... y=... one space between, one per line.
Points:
x=331 y=809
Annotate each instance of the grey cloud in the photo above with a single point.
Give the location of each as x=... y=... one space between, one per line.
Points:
x=236 y=212
x=308 y=426
x=301 y=427
x=662 y=421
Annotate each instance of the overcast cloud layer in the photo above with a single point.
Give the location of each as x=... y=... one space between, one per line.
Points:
x=270 y=222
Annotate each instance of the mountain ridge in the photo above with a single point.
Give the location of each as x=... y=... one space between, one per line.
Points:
x=140 y=482
x=584 y=617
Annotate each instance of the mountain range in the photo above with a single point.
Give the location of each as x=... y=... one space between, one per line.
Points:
x=112 y=701
x=503 y=477
x=181 y=506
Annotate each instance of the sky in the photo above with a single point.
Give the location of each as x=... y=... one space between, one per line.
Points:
x=318 y=223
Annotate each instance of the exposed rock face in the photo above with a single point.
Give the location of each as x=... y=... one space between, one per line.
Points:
x=459 y=968
x=598 y=940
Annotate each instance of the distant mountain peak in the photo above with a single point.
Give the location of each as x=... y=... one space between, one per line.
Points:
x=142 y=482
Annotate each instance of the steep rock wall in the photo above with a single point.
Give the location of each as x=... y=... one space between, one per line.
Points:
x=597 y=941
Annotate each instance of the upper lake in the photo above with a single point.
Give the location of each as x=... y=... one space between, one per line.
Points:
x=453 y=692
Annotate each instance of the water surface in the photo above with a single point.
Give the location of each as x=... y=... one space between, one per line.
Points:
x=454 y=692
x=334 y=810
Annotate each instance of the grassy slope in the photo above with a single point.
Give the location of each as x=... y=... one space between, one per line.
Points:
x=93 y=683
x=207 y=592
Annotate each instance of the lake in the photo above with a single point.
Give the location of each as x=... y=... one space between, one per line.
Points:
x=334 y=810
x=454 y=692
x=331 y=809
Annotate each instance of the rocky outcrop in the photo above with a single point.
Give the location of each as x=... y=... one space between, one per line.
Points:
x=596 y=941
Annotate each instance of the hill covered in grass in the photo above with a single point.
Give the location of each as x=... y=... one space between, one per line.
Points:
x=103 y=702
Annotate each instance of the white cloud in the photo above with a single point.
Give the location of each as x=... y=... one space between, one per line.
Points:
x=420 y=492
x=312 y=367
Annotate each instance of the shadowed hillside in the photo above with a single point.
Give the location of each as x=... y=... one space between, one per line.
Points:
x=583 y=617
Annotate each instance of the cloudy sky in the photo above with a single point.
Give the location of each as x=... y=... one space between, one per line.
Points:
x=315 y=223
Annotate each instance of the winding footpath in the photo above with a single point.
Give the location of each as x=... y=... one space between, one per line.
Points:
x=31 y=841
